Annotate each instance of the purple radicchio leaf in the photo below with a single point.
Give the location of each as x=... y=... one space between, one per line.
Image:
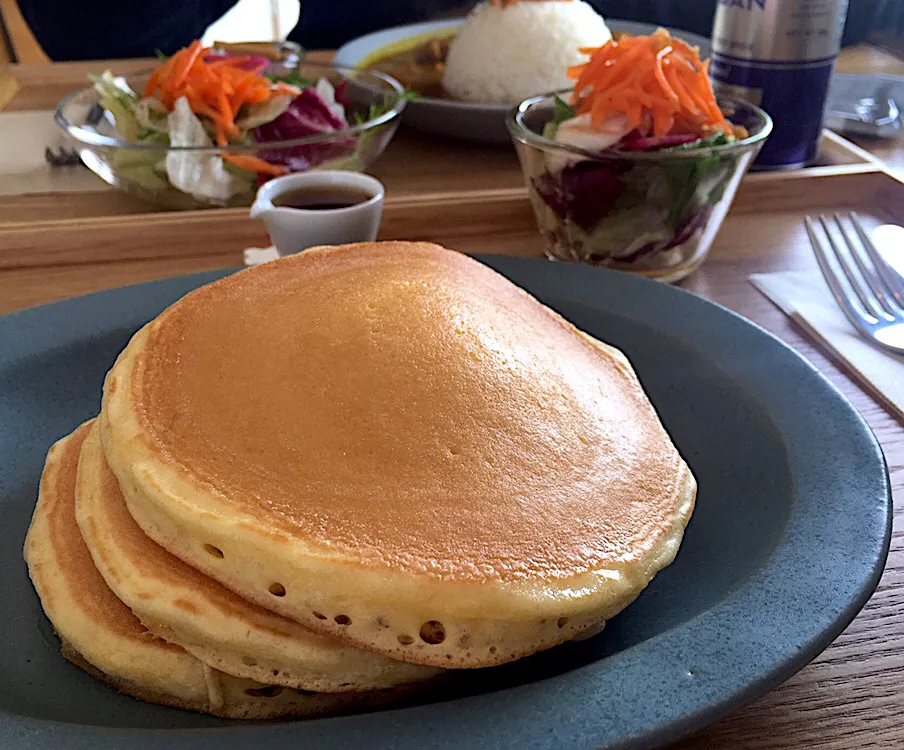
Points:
x=634 y=141
x=251 y=63
x=684 y=232
x=584 y=192
x=307 y=115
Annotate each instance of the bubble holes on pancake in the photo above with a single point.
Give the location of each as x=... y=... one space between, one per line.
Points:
x=275 y=588
x=431 y=633
x=450 y=644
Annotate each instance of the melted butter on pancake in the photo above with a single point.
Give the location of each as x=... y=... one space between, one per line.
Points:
x=411 y=409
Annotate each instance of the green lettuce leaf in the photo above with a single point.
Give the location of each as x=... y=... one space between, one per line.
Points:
x=562 y=111
x=119 y=100
x=696 y=181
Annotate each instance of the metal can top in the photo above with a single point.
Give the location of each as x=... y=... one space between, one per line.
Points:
x=779 y=31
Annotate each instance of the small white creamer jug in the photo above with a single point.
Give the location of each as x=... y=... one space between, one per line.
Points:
x=294 y=228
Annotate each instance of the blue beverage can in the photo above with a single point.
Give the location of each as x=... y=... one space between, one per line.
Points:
x=779 y=55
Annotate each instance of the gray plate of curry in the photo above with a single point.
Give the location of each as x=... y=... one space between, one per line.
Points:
x=415 y=54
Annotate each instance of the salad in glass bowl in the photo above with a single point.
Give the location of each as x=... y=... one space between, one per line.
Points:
x=636 y=167
x=206 y=128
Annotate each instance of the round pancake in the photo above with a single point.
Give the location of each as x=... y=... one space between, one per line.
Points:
x=396 y=446
x=186 y=607
x=101 y=635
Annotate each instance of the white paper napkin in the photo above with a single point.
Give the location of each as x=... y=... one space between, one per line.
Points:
x=23 y=169
x=255 y=256
x=805 y=297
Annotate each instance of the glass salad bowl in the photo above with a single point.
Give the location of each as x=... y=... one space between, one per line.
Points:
x=652 y=212
x=190 y=177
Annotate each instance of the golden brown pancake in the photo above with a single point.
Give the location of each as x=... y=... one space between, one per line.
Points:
x=101 y=635
x=220 y=628
x=394 y=445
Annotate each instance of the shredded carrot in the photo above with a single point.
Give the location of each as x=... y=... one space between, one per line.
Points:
x=217 y=88
x=224 y=107
x=287 y=88
x=186 y=61
x=660 y=75
x=692 y=112
x=657 y=83
x=255 y=164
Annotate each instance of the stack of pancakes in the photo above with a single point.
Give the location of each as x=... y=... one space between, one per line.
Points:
x=315 y=485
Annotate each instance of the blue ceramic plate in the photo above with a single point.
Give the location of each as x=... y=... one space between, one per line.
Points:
x=482 y=123
x=787 y=542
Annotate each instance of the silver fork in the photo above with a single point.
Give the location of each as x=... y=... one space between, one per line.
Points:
x=868 y=291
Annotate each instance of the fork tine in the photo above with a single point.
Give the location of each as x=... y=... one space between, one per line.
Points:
x=867 y=299
x=874 y=283
x=893 y=282
x=858 y=318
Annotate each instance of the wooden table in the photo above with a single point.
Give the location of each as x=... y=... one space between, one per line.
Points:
x=852 y=696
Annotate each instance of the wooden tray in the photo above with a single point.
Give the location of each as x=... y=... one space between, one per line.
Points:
x=496 y=220
x=49 y=260
x=415 y=165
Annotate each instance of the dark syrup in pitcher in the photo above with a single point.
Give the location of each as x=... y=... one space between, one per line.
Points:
x=321 y=198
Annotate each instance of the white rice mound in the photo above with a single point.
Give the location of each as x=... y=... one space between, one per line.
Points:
x=502 y=55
